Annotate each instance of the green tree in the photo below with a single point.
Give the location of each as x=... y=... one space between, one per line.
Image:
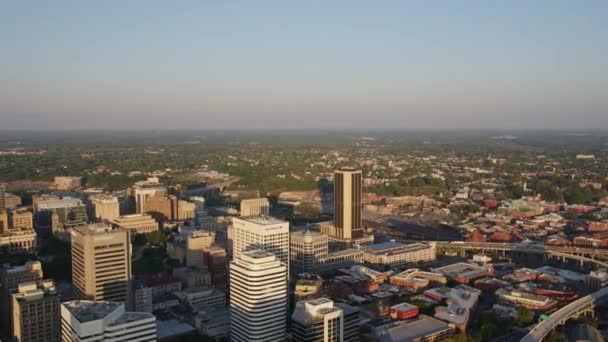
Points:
x=525 y=316
x=157 y=239
x=555 y=336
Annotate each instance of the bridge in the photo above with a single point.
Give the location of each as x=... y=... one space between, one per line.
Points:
x=583 y=255
x=575 y=309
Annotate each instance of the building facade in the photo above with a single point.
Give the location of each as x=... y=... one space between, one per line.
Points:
x=348 y=186
x=260 y=232
x=142 y=191
x=197 y=243
x=255 y=207
x=394 y=253
x=18 y=242
x=104 y=207
x=21 y=219
x=10 y=278
x=58 y=216
x=35 y=312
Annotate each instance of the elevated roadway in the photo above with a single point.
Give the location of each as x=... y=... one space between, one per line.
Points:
x=583 y=255
x=574 y=309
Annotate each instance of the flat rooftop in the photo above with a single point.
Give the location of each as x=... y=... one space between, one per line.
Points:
x=59 y=203
x=392 y=247
x=258 y=254
x=262 y=220
x=94 y=229
x=87 y=310
x=410 y=331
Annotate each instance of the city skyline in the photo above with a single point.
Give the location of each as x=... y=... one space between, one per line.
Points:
x=340 y=66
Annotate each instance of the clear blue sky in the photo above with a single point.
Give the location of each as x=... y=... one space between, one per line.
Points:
x=303 y=64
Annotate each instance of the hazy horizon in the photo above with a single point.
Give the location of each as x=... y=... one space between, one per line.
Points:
x=344 y=65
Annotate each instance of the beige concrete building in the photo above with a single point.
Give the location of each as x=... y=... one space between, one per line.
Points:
x=255 y=207
x=137 y=223
x=35 y=312
x=17 y=234
x=10 y=278
x=393 y=253
x=186 y=210
x=11 y=201
x=142 y=191
x=67 y=183
x=101 y=263
x=21 y=219
x=18 y=241
x=104 y=207
x=197 y=244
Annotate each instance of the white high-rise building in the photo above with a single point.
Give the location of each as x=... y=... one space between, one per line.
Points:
x=258 y=298
x=260 y=232
x=255 y=207
x=90 y=321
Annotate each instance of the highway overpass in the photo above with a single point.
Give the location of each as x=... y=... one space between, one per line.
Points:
x=574 y=309
x=583 y=255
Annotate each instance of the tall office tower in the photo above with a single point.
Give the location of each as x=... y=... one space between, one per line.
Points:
x=104 y=207
x=320 y=320
x=347 y=203
x=255 y=207
x=10 y=278
x=2 y=196
x=35 y=312
x=21 y=219
x=101 y=263
x=197 y=243
x=258 y=298
x=260 y=232
x=307 y=251
x=84 y=320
